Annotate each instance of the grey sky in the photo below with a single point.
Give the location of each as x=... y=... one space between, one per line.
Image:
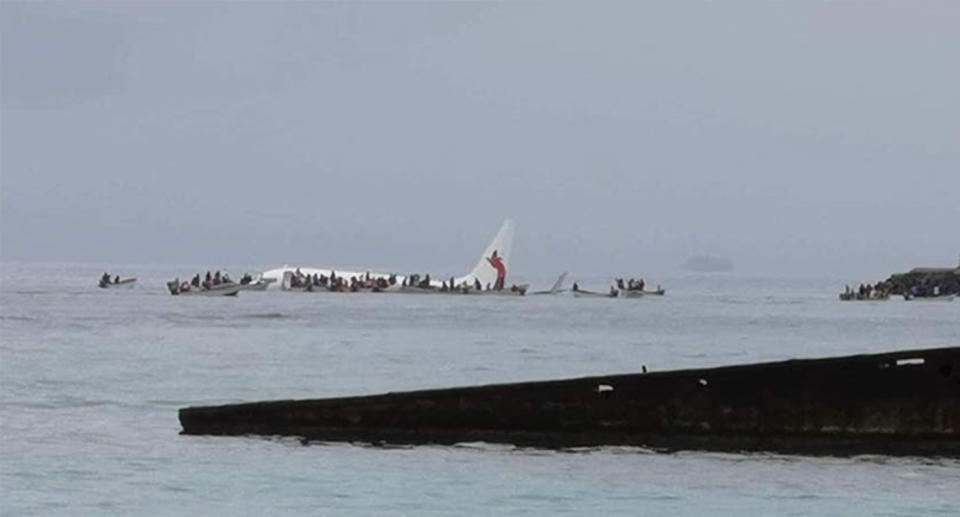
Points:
x=793 y=138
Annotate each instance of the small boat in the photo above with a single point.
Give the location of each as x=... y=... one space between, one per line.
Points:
x=938 y=298
x=185 y=289
x=580 y=293
x=514 y=290
x=123 y=282
x=638 y=293
x=856 y=297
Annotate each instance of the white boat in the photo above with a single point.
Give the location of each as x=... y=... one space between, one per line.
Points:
x=123 y=282
x=856 y=297
x=185 y=289
x=581 y=293
x=938 y=298
x=637 y=293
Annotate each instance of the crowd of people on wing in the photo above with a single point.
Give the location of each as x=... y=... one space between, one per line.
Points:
x=367 y=282
x=339 y=283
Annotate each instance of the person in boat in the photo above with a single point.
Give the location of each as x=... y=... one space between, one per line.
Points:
x=105 y=279
x=477 y=285
x=489 y=286
x=443 y=287
x=613 y=292
x=641 y=284
x=620 y=283
x=576 y=287
x=196 y=280
x=116 y=279
x=425 y=283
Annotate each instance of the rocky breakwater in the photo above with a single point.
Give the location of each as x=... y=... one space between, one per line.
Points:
x=925 y=278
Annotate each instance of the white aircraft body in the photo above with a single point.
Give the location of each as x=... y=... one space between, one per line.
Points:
x=491 y=269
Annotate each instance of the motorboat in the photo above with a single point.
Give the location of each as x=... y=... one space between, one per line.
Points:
x=582 y=293
x=185 y=289
x=123 y=282
x=938 y=298
x=857 y=297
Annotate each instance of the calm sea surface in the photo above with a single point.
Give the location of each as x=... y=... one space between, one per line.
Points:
x=92 y=379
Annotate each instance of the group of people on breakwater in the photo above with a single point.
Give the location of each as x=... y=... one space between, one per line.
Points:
x=925 y=288
x=878 y=291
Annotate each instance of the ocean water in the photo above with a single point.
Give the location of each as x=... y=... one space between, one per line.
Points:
x=92 y=379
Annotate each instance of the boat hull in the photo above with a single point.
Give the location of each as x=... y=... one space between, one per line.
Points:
x=941 y=298
x=580 y=293
x=218 y=290
x=125 y=283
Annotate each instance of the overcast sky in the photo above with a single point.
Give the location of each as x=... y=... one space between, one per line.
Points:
x=793 y=138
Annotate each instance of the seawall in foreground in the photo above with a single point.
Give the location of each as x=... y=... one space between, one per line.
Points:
x=900 y=403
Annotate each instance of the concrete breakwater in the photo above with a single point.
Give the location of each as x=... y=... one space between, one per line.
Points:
x=899 y=403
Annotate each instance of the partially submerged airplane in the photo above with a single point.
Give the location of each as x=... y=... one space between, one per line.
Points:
x=490 y=272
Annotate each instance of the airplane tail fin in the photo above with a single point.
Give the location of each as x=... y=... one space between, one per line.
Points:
x=495 y=261
x=559 y=283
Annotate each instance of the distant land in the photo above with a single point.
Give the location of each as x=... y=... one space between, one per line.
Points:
x=708 y=264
